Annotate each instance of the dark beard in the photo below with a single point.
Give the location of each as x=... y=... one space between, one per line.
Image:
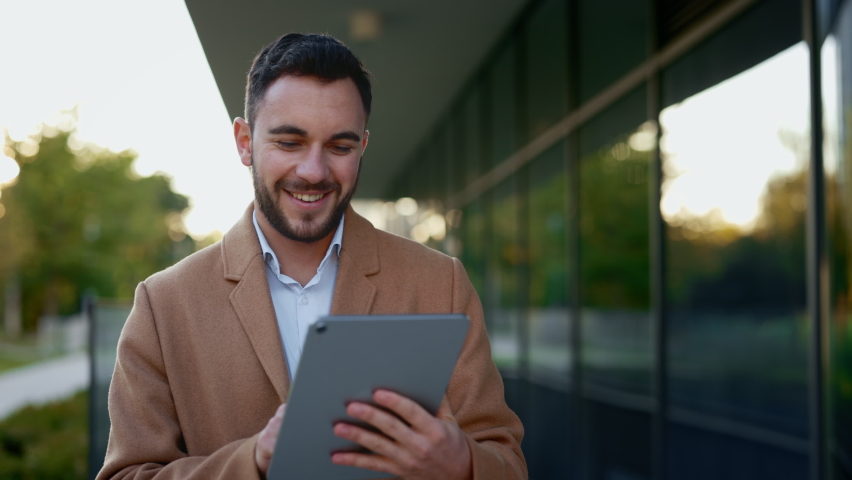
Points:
x=312 y=232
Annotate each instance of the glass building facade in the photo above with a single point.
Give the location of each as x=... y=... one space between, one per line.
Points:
x=651 y=198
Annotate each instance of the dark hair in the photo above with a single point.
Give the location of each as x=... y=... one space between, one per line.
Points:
x=310 y=54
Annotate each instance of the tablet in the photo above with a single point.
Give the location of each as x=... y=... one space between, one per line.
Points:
x=346 y=358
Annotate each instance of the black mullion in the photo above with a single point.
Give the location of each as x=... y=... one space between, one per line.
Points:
x=815 y=247
x=659 y=386
x=572 y=167
x=520 y=127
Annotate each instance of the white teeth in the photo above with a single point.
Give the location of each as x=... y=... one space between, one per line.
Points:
x=307 y=198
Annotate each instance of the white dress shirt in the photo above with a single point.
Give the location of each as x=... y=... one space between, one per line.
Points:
x=297 y=307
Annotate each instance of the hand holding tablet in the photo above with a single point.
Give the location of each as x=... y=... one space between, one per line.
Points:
x=411 y=444
x=360 y=376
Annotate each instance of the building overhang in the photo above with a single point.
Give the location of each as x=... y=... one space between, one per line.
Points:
x=420 y=60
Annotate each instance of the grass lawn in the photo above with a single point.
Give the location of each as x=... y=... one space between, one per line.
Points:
x=16 y=353
x=49 y=441
x=11 y=362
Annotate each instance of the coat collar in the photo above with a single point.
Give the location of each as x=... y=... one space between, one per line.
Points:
x=243 y=263
x=240 y=245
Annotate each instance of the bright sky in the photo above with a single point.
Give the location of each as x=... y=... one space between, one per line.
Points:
x=722 y=146
x=139 y=74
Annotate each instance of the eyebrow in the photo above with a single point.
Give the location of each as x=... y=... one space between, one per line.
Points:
x=347 y=135
x=294 y=130
x=288 y=129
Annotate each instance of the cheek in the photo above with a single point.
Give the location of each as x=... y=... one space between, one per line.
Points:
x=347 y=172
x=273 y=166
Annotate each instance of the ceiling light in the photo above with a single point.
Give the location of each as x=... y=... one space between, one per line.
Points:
x=365 y=25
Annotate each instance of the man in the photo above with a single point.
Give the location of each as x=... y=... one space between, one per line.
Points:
x=206 y=356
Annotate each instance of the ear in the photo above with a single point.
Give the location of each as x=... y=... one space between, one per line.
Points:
x=364 y=141
x=242 y=136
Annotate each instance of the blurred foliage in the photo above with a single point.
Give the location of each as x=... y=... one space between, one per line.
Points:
x=506 y=253
x=716 y=266
x=548 y=227
x=472 y=234
x=614 y=228
x=839 y=222
x=711 y=263
x=79 y=219
x=46 y=442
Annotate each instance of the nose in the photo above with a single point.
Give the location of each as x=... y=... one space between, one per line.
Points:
x=314 y=167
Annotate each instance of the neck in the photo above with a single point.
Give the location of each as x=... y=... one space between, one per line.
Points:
x=297 y=260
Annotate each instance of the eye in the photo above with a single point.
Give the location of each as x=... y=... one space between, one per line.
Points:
x=288 y=145
x=342 y=149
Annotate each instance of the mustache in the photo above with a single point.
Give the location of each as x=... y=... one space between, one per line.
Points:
x=298 y=186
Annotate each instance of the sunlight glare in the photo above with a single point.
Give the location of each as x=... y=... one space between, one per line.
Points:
x=722 y=146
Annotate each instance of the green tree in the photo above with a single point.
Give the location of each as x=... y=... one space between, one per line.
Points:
x=80 y=219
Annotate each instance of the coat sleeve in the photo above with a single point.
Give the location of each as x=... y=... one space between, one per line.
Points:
x=476 y=396
x=145 y=439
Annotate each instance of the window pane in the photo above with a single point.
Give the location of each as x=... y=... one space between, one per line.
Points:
x=614 y=249
x=695 y=455
x=618 y=441
x=735 y=169
x=549 y=306
x=767 y=28
x=547 y=433
x=546 y=72
x=466 y=139
x=546 y=440
x=471 y=118
x=502 y=111
x=441 y=158
x=837 y=102
x=613 y=40
x=472 y=233
x=504 y=259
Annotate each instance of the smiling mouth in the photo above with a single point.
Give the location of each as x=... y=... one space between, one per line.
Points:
x=307 y=198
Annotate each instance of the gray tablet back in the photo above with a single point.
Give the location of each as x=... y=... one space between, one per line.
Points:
x=347 y=357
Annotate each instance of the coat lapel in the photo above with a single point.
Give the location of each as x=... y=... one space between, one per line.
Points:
x=354 y=293
x=244 y=264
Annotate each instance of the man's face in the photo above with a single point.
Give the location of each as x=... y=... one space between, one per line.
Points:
x=305 y=150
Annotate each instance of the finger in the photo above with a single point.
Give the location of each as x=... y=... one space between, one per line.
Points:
x=420 y=420
x=445 y=412
x=387 y=423
x=375 y=442
x=269 y=435
x=371 y=462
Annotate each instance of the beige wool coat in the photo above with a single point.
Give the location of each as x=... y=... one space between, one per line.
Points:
x=201 y=367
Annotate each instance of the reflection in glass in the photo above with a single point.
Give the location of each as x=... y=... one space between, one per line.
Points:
x=548 y=265
x=613 y=39
x=441 y=157
x=733 y=201
x=614 y=251
x=837 y=114
x=546 y=72
x=505 y=255
x=502 y=111
x=468 y=137
x=472 y=236
x=618 y=441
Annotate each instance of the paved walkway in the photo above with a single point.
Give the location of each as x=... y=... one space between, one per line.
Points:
x=43 y=382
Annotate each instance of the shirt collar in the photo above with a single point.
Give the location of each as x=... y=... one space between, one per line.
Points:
x=272 y=260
